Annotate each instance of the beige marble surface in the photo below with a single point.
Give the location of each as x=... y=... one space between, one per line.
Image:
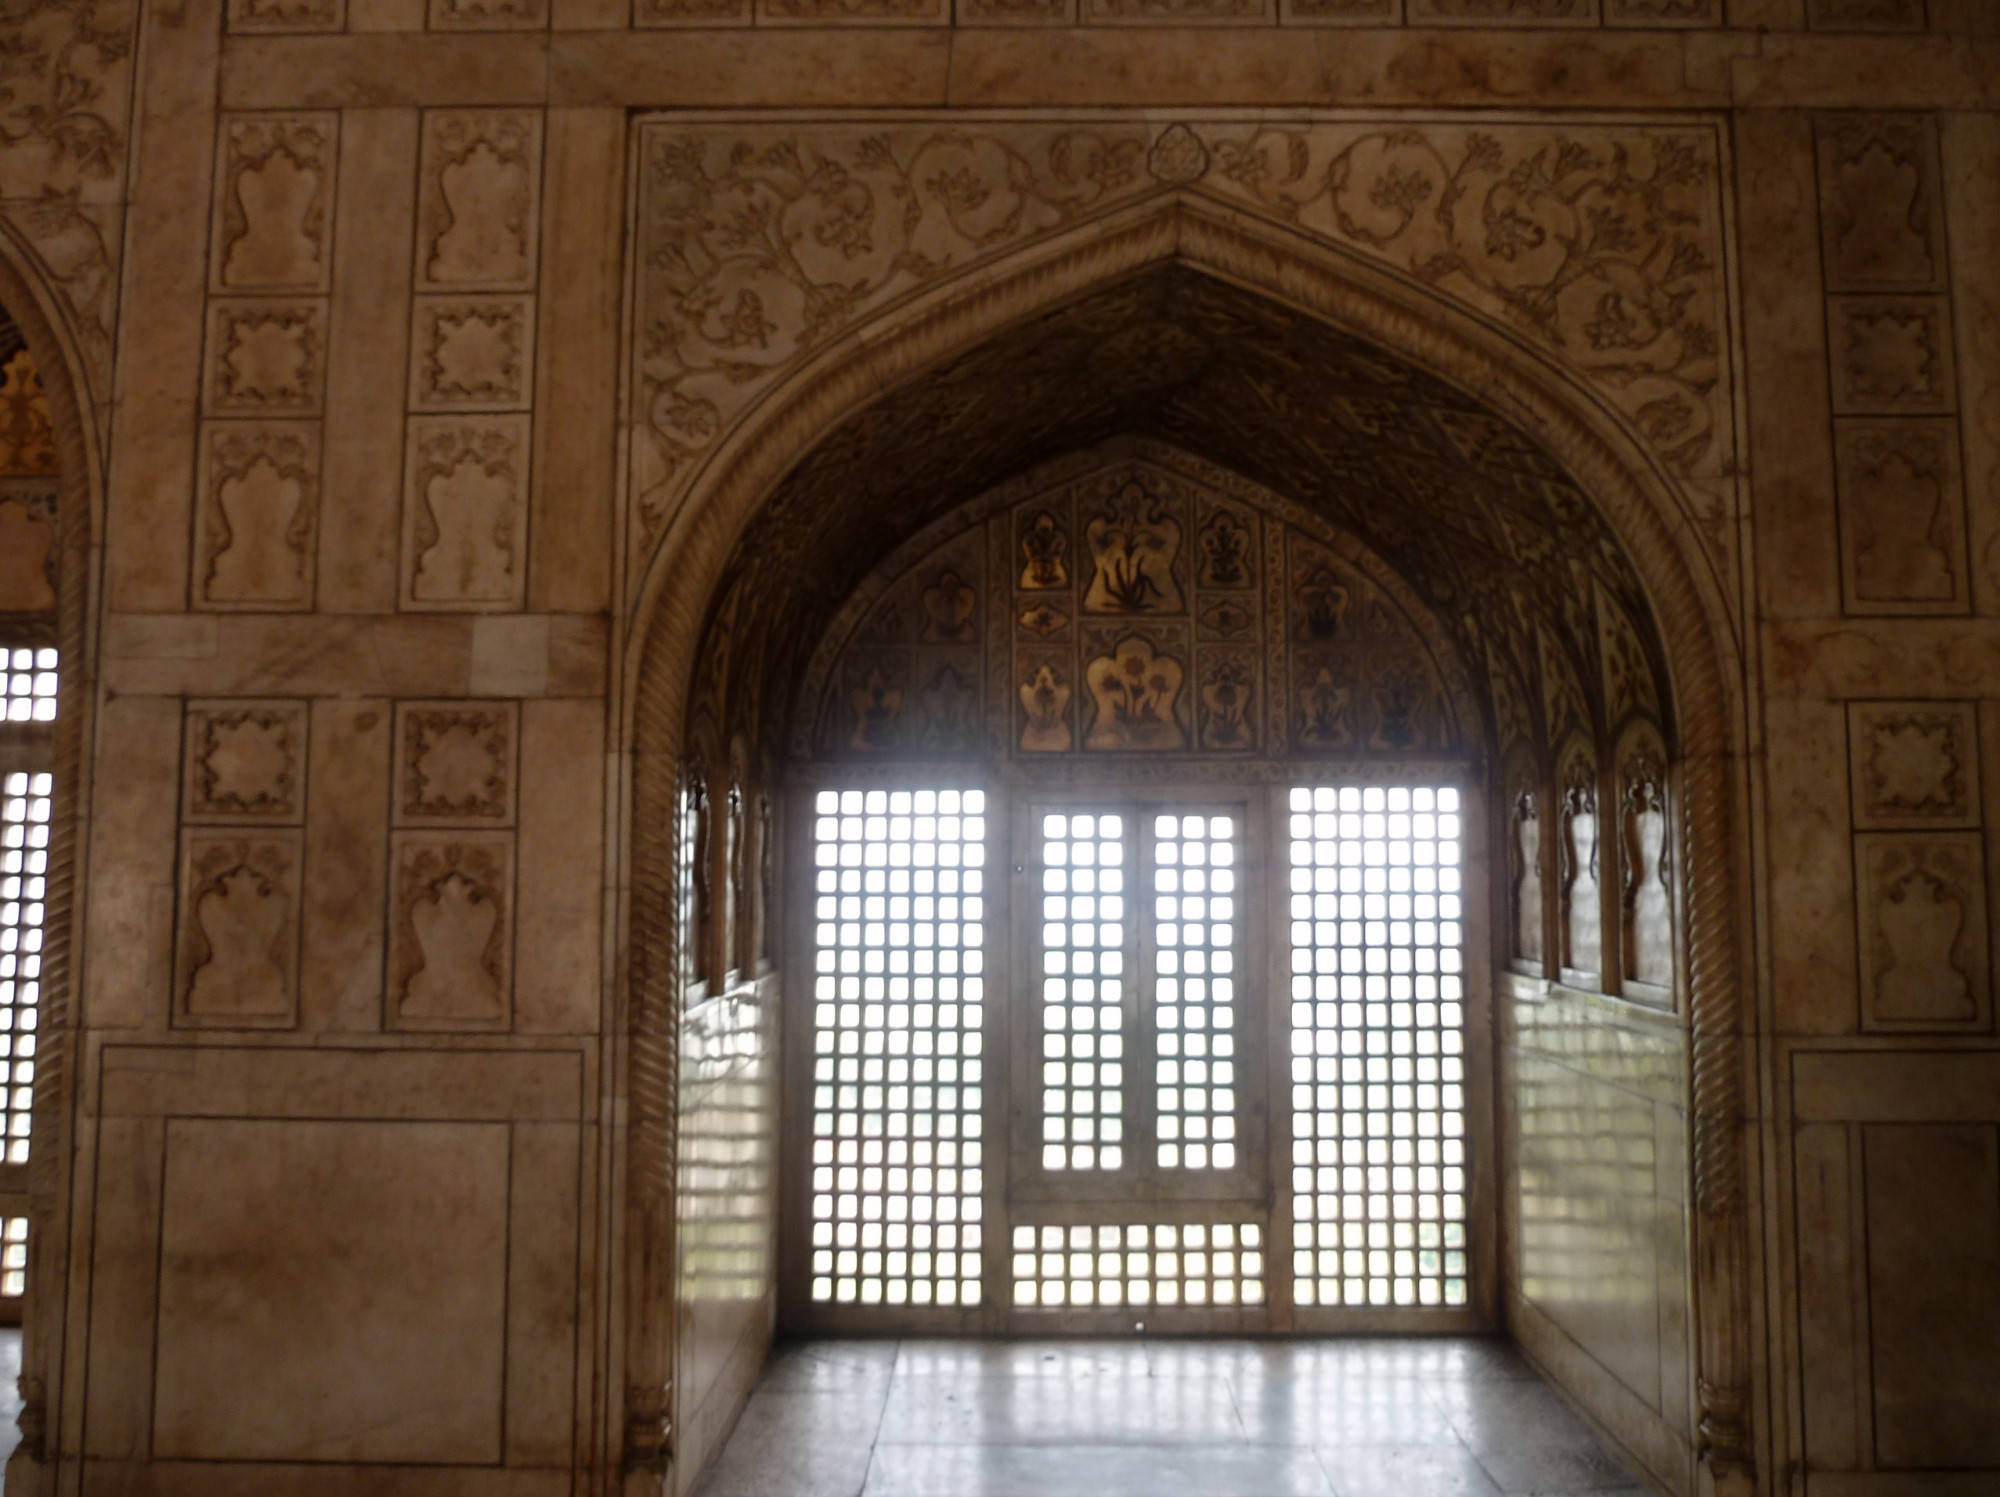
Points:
x=352 y=294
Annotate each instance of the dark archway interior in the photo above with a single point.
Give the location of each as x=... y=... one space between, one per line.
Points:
x=1515 y=562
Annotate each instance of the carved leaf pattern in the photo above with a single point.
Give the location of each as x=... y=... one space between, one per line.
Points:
x=761 y=244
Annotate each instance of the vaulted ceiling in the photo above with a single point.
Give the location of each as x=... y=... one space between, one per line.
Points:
x=1516 y=563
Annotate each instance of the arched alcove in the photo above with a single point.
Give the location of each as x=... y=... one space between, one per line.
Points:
x=1539 y=540
x=48 y=506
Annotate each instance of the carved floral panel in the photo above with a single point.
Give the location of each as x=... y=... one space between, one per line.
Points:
x=689 y=12
x=761 y=243
x=488 y=15
x=465 y=512
x=1881 y=203
x=287 y=15
x=274 y=194
x=1178 y=12
x=1503 y=12
x=244 y=762
x=256 y=514
x=1645 y=857
x=64 y=130
x=455 y=763
x=1663 y=12
x=1342 y=12
x=1922 y=916
x=1527 y=860
x=1902 y=515
x=479 y=199
x=265 y=357
x=880 y=12
x=1913 y=764
x=1579 y=851
x=237 y=951
x=1866 y=15
x=1014 y=12
x=1891 y=355
x=451 y=930
x=472 y=353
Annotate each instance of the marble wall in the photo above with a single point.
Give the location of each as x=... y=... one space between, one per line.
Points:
x=339 y=291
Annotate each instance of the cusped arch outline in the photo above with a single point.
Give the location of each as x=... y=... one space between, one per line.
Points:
x=1312 y=278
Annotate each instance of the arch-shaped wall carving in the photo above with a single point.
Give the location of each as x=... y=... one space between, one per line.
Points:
x=1319 y=286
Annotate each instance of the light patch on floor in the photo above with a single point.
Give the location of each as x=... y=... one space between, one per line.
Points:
x=1464 y=1417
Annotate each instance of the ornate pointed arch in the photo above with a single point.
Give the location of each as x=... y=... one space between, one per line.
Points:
x=1306 y=277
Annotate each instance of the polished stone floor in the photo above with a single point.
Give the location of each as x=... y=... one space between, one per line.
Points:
x=1462 y=1417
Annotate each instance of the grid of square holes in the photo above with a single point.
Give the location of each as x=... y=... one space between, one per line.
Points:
x=898 y=1022
x=28 y=685
x=24 y=867
x=1194 y=990
x=13 y=1257
x=1083 y=991
x=1378 y=1032
x=1217 y=1264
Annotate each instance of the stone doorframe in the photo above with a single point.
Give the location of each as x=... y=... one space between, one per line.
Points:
x=1313 y=278
x=36 y=311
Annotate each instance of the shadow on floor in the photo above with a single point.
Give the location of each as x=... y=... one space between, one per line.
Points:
x=1460 y=1417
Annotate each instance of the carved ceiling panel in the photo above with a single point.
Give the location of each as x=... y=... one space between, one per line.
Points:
x=1485 y=530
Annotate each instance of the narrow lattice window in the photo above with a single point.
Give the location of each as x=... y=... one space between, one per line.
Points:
x=1378 y=1037
x=899 y=919
x=1083 y=996
x=1194 y=990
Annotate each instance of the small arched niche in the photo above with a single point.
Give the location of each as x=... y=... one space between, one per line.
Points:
x=1170 y=553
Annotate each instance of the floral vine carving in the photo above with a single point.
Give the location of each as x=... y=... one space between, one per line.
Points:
x=63 y=80
x=761 y=247
x=763 y=244
x=1598 y=248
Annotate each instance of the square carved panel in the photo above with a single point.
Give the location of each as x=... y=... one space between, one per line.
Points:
x=1914 y=764
x=451 y=930
x=266 y=356
x=1921 y=908
x=236 y=958
x=245 y=763
x=455 y=763
x=1891 y=355
x=472 y=353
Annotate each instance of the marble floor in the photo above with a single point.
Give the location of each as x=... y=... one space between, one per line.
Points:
x=1464 y=1417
